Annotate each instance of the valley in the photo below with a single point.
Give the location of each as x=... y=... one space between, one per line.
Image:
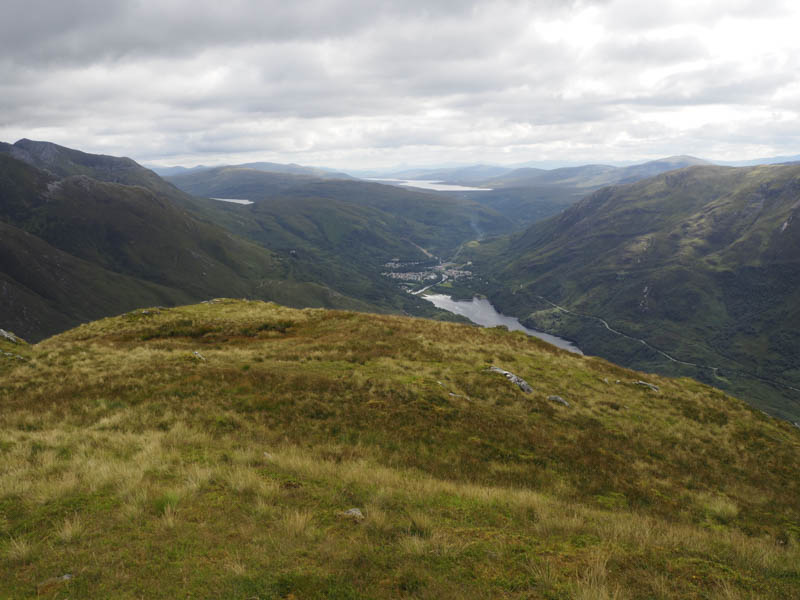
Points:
x=596 y=273
x=360 y=453
x=422 y=300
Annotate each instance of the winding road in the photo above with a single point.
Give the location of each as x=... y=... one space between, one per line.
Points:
x=714 y=370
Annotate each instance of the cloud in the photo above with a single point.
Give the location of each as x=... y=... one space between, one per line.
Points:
x=364 y=82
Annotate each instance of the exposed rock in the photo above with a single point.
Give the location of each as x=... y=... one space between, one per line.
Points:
x=198 y=355
x=519 y=381
x=7 y=335
x=558 y=399
x=355 y=514
x=647 y=385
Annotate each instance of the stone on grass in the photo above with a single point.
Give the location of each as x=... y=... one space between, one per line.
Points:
x=519 y=381
x=647 y=385
x=558 y=400
x=355 y=514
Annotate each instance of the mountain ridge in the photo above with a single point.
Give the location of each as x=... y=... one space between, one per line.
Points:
x=701 y=262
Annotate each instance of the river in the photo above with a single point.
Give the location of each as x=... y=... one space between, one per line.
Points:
x=481 y=312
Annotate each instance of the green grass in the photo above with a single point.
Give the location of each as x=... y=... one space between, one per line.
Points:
x=145 y=470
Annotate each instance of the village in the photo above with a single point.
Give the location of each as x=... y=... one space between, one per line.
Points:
x=427 y=273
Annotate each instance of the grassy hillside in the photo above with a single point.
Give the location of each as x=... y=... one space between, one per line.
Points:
x=528 y=195
x=702 y=263
x=212 y=451
x=43 y=289
x=436 y=221
x=76 y=248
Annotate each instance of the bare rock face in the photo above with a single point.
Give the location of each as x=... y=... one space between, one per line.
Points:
x=558 y=400
x=9 y=337
x=515 y=379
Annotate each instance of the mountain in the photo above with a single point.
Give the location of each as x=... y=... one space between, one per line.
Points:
x=244 y=450
x=341 y=231
x=693 y=272
x=656 y=167
x=773 y=160
x=60 y=162
x=76 y=247
x=177 y=170
x=590 y=176
x=236 y=182
x=318 y=172
x=527 y=195
x=268 y=167
x=456 y=175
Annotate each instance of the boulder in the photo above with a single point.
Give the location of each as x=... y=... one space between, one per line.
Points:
x=355 y=514
x=515 y=379
x=558 y=400
x=647 y=385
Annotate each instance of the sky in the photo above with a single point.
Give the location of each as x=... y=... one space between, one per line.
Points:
x=358 y=84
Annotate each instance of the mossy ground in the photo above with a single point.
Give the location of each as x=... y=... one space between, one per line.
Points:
x=209 y=451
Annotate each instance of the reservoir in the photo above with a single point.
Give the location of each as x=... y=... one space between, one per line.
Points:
x=234 y=200
x=481 y=312
x=430 y=185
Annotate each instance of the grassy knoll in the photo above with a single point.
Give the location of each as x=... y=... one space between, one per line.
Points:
x=210 y=451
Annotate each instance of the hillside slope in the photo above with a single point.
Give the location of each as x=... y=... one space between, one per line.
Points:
x=528 y=195
x=95 y=248
x=436 y=221
x=213 y=451
x=701 y=263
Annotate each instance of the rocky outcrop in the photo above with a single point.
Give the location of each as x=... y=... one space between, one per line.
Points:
x=9 y=337
x=647 y=385
x=515 y=379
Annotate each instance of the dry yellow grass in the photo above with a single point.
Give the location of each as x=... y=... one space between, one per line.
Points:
x=237 y=469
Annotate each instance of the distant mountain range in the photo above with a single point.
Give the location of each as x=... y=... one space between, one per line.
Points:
x=702 y=264
x=526 y=174
x=293 y=169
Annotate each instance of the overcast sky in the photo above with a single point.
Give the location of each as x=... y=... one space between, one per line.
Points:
x=371 y=83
